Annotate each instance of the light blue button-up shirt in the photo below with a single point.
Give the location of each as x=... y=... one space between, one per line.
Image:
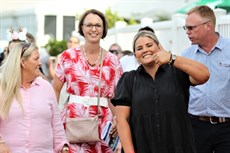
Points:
x=213 y=97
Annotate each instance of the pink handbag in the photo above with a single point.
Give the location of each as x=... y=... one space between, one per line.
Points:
x=85 y=129
x=80 y=130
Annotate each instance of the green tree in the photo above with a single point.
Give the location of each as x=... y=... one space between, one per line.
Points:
x=132 y=21
x=111 y=17
x=56 y=47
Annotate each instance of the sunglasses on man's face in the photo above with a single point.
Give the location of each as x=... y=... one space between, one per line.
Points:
x=190 y=28
x=113 y=51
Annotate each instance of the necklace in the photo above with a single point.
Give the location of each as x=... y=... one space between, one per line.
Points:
x=99 y=55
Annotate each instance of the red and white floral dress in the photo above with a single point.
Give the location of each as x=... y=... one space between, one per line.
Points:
x=82 y=80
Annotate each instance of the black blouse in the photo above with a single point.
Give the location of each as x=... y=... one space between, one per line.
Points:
x=159 y=121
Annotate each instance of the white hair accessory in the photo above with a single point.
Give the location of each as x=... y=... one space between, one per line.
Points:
x=20 y=34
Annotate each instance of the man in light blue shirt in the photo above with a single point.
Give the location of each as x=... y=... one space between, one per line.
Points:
x=209 y=104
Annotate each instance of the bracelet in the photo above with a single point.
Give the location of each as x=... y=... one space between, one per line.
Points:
x=2 y=141
x=170 y=59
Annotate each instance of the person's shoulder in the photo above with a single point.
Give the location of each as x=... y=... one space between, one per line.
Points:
x=225 y=40
x=71 y=50
x=127 y=57
x=111 y=58
x=70 y=53
x=189 y=50
x=42 y=82
x=129 y=74
x=111 y=55
x=123 y=59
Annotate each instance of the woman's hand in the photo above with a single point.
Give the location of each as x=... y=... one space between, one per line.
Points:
x=161 y=57
x=113 y=131
x=65 y=149
x=4 y=148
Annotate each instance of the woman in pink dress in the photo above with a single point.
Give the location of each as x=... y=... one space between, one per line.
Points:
x=79 y=68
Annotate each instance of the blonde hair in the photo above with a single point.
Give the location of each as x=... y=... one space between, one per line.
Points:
x=11 y=75
x=145 y=34
x=204 y=12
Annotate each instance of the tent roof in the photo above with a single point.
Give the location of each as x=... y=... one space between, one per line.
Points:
x=225 y=4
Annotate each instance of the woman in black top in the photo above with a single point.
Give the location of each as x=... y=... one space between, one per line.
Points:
x=151 y=102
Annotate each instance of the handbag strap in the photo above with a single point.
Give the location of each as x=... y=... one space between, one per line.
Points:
x=99 y=83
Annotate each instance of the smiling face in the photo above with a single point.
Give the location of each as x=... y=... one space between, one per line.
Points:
x=31 y=64
x=145 y=47
x=92 y=28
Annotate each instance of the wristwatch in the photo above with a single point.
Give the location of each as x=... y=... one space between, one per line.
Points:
x=172 y=59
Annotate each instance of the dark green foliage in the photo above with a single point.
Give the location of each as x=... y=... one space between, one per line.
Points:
x=56 y=47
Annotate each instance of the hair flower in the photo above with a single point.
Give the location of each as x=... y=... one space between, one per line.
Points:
x=20 y=34
x=14 y=35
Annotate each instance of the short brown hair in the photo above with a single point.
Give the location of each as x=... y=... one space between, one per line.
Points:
x=101 y=15
x=204 y=12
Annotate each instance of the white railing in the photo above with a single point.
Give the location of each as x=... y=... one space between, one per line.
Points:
x=170 y=33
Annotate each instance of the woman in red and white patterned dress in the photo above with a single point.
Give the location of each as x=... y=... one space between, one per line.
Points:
x=79 y=68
